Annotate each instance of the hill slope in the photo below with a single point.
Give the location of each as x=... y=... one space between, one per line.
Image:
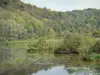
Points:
x=21 y=21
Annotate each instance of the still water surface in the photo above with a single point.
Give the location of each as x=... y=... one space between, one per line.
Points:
x=48 y=64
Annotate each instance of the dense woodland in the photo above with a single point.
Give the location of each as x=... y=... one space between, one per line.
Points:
x=23 y=21
x=80 y=28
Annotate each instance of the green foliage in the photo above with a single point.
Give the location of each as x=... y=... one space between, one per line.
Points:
x=91 y=57
x=96 y=47
x=73 y=42
x=11 y=30
x=96 y=34
x=42 y=22
x=44 y=45
x=77 y=43
x=19 y=21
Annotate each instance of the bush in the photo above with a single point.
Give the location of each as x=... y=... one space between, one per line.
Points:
x=73 y=42
x=42 y=46
x=87 y=58
x=96 y=47
x=91 y=57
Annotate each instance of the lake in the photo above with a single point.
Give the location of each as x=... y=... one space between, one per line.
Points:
x=21 y=63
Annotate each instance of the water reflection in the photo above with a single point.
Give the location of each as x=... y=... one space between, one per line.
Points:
x=60 y=70
x=48 y=64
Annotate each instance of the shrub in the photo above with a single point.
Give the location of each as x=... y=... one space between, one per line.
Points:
x=96 y=47
x=91 y=57
x=42 y=46
x=73 y=42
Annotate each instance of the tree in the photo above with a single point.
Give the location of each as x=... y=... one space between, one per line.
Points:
x=11 y=30
x=73 y=42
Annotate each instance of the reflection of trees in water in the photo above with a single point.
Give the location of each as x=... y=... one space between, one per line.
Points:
x=5 y=55
x=46 y=63
x=28 y=70
x=71 y=70
x=72 y=60
x=97 y=69
x=34 y=68
x=15 y=72
x=79 y=71
x=10 y=58
x=8 y=54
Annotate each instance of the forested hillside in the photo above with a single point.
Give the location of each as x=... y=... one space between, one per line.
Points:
x=22 y=21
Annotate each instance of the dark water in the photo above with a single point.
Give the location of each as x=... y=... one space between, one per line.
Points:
x=46 y=64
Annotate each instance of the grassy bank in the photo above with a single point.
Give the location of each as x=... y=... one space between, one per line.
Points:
x=26 y=43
